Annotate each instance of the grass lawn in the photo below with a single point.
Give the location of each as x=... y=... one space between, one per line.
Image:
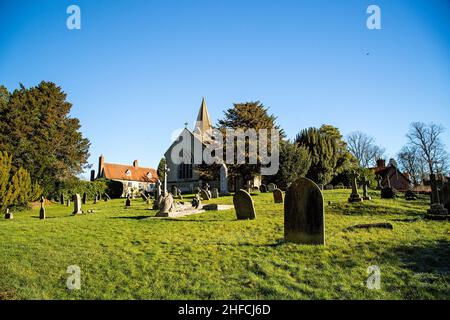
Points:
x=129 y=254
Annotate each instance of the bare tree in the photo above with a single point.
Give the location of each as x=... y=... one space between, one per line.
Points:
x=410 y=161
x=426 y=138
x=363 y=147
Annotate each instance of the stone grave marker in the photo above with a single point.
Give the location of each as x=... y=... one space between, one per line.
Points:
x=304 y=219
x=271 y=187
x=243 y=204
x=42 y=209
x=277 y=196
x=77 y=204
x=214 y=193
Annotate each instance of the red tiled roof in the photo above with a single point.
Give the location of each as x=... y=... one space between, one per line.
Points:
x=119 y=172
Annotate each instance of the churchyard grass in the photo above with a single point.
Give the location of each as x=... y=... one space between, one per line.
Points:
x=125 y=253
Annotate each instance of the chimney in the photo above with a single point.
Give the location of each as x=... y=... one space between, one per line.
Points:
x=135 y=163
x=101 y=165
x=381 y=163
x=92 y=175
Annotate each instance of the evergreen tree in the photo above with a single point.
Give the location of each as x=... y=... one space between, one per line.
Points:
x=294 y=163
x=249 y=115
x=160 y=170
x=323 y=150
x=38 y=132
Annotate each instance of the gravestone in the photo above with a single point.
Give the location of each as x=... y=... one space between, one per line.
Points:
x=128 y=202
x=354 y=196
x=197 y=201
x=61 y=199
x=95 y=199
x=263 y=188
x=277 y=196
x=68 y=203
x=214 y=193
x=329 y=187
x=42 y=209
x=107 y=197
x=445 y=197
x=271 y=187
x=8 y=215
x=174 y=190
x=365 y=187
x=158 y=189
x=167 y=206
x=83 y=201
x=243 y=204
x=77 y=204
x=143 y=196
x=304 y=219
x=205 y=194
x=224 y=180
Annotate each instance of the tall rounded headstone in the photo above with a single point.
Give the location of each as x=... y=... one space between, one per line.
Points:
x=277 y=196
x=304 y=219
x=77 y=204
x=243 y=204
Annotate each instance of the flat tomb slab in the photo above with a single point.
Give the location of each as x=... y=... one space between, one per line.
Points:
x=217 y=207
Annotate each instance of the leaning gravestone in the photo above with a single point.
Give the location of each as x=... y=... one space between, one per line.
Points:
x=42 y=209
x=277 y=196
x=167 y=206
x=143 y=196
x=271 y=187
x=205 y=194
x=304 y=219
x=214 y=193
x=77 y=204
x=243 y=204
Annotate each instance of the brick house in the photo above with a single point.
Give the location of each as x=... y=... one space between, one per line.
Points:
x=398 y=180
x=133 y=177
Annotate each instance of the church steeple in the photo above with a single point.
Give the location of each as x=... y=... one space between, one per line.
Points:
x=203 y=122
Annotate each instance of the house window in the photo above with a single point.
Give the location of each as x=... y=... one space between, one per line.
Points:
x=184 y=171
x=149 y=175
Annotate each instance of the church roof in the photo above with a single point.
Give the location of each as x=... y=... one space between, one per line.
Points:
x=203 y=122
x=130 y=173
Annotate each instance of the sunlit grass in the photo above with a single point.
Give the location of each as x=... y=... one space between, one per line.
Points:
x=128 y=254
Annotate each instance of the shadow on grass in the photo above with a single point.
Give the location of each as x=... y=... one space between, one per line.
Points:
x=371 y=208
x=432 y=257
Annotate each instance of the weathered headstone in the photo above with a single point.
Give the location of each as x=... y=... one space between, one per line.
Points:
x=84 y=199
x=205 y=194
x=214 y=193
x=224 y=180
x=243 y=204
x=365 y=184
x=174 y=190
x=277 y=196
x=167 y=206
x=95 y=199
x=128 y=202
x=68 y=203
x=271 y=187
x=197 y=201
x=61 y=199
x=304 y=219
x=143 y=196
x=329 y=187
x=77 y=204
x=8 y=215
x=354 y=196
x=263 y=188
x=42 y=209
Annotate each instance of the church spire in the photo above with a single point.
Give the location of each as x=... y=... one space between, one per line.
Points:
x=203 y=122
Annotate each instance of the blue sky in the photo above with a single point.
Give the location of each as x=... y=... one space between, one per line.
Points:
x=137 y=70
